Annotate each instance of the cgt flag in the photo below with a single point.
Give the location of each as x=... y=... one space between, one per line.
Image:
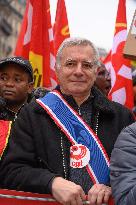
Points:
x=61 y=28
x=120 y=68
x=36 y=43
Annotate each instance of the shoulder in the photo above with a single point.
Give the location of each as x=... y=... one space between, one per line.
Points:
x=31 y=109
x=127 y=137
x=120 y=108
x=108 y=106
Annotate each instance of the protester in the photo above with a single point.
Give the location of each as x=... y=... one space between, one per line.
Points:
x=123 y=167
x=16 y=85
x=61 y=144
x=103 y=79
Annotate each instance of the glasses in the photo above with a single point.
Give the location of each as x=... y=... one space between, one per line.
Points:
x=85 y=65
x=104 y=74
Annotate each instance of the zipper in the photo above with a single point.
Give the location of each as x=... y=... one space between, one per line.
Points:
x=97 y=123
x=79 y=111
x=63 y=157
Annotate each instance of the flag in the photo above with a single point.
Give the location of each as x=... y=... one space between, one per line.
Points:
x=5 y=127
x=120 y=68
x=61 y=28
x=107 y=62
x=36 y=43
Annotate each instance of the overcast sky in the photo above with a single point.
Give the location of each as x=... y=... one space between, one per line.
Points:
x=94 y=19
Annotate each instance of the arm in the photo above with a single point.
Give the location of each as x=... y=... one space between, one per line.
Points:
x=123 y=167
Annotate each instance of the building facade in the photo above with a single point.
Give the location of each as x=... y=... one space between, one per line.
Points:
x=11 y=14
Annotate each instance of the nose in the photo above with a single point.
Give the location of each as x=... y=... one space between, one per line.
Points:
x=78 y=70
x=10 y=83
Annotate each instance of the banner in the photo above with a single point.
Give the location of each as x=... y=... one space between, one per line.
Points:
x=130 y=45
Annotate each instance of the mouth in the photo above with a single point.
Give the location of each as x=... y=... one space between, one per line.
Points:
x=8 y=92
x=78 y=81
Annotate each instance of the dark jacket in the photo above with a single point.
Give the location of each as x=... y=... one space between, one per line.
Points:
x=5 y=114
x=123 y=167
x=38 y=150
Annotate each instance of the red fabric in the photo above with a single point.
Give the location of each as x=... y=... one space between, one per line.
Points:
x=111 y=201
x=61 y=28
x=4 y=133
x=35 y=42
x=120 y=68
x=15 y=201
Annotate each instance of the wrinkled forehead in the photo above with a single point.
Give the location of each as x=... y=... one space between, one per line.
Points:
x=76 y=52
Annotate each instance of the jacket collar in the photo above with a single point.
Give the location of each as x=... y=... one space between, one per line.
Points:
x=101 y=102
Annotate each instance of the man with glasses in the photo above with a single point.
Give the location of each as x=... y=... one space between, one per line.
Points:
x=61 y=144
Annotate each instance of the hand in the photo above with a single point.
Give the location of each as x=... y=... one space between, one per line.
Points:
x=67 y=192
x=99 y=194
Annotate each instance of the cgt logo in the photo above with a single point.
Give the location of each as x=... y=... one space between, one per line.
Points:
x=79 y=156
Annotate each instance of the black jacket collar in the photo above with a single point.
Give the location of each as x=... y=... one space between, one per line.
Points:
x=101 y=102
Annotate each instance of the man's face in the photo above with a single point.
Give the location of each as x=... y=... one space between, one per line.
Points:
x=76 y=74
x=14 y=84
x=103 y=80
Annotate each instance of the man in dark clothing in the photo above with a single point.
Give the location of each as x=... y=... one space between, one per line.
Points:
x=61 y=144
x=103 y=79
x=16 y=84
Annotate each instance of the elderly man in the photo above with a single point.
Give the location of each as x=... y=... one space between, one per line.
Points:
x=62 y=143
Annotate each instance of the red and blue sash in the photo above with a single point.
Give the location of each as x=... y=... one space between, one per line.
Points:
x=78 y=132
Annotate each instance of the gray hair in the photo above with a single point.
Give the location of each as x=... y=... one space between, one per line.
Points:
x=75 y=41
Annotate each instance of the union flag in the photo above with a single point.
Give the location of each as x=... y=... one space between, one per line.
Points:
x=36 y=42
x=120 y=68
x=61 y=28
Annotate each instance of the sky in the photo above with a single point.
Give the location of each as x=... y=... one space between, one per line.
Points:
x=94 y=19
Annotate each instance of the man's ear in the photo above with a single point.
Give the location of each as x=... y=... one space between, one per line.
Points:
x=30 y=87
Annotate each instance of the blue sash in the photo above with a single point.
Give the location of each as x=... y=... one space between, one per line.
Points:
x=78 y=132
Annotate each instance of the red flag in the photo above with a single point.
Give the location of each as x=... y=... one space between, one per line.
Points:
x=61 y=28
x=121 y=78
x=107 y=62
x=35 y=42
x=5 y=127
